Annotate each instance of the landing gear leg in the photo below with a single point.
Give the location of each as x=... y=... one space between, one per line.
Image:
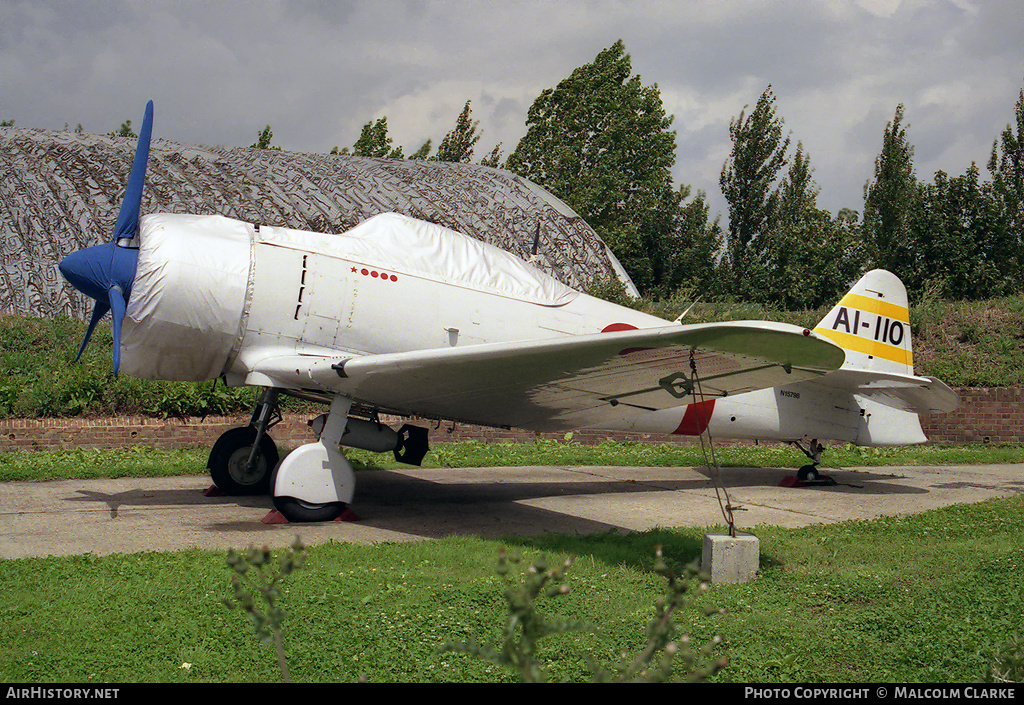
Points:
x=315 y=482
x=813 y=452
x=242 y=460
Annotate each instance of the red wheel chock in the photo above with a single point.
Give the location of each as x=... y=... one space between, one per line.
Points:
x=276 y=517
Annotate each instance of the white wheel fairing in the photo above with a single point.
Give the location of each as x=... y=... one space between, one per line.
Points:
x=315 y=474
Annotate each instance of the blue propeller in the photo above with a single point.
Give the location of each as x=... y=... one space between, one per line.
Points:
x=106 y=272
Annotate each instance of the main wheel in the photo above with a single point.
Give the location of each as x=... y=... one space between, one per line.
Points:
x=229 y=458
x=807 y=473
x=295 y=510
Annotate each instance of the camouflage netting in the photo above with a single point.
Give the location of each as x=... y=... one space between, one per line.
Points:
x=60 y=192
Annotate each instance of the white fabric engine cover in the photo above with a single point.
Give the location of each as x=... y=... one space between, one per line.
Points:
x=416 y=247
x=184 y=314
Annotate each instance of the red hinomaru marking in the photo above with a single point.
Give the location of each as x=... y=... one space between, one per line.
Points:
x=696 y=418
x=612 y=327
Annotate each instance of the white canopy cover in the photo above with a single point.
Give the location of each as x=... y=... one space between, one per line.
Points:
x=399 y=243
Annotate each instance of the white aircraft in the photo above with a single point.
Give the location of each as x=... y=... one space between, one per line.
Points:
x=404 y=317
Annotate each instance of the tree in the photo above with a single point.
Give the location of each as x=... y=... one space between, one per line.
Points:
x=810 y=258
x=748 y=184
x=1007 y=163
x=457 y=145
x=965 y=245
x=891 y=202
x=373 y=141
x=493 y=158
x=687 y=253
x=798 y=192
x=422 y=152
x=263 y=139
x=814 y=260
x=124 y=131
x=601 y=141
x=1007 y=168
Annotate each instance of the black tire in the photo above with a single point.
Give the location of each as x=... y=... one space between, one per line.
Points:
x=808 y=473
x=228 y=459
x=295 y=510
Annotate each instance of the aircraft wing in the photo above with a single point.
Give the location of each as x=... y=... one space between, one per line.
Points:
x=920 y=395
x=567 y=382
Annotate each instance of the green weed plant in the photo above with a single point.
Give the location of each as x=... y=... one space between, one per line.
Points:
x=666 y=654
x=256 y=582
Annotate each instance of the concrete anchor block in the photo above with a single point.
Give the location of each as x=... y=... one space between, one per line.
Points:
x=731 y=559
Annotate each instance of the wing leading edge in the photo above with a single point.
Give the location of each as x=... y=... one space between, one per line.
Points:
x=566 y=383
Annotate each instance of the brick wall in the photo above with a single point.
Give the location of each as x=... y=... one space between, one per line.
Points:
x=990 y=415
x=292 y=431
x=993 y=415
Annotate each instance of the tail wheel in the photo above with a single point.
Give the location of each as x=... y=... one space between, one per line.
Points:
x=808 y=473
x=229 y=462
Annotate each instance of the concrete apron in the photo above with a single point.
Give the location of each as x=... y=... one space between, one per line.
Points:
x=166 y=514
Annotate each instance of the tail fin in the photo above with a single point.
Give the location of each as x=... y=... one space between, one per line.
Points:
x=872 y=323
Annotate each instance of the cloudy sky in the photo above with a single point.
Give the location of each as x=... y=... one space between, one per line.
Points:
x=316 y=71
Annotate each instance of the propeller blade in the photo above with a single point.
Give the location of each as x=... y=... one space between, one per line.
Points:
x=117 y=309
x=97 y=313
x=128 y=217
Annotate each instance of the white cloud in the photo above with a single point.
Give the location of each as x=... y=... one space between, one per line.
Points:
x=880 y=8
x=316 y=72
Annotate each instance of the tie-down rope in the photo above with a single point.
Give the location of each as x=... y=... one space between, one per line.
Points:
x=720 y=490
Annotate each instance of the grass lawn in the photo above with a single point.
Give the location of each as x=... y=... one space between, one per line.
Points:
x=137 y=461
x=927 y=598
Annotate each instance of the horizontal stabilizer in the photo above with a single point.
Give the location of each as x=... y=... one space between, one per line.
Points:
x=567 y=382
x=920 y=395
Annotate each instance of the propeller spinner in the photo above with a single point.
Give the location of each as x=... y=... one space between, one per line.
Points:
x=106 y=272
